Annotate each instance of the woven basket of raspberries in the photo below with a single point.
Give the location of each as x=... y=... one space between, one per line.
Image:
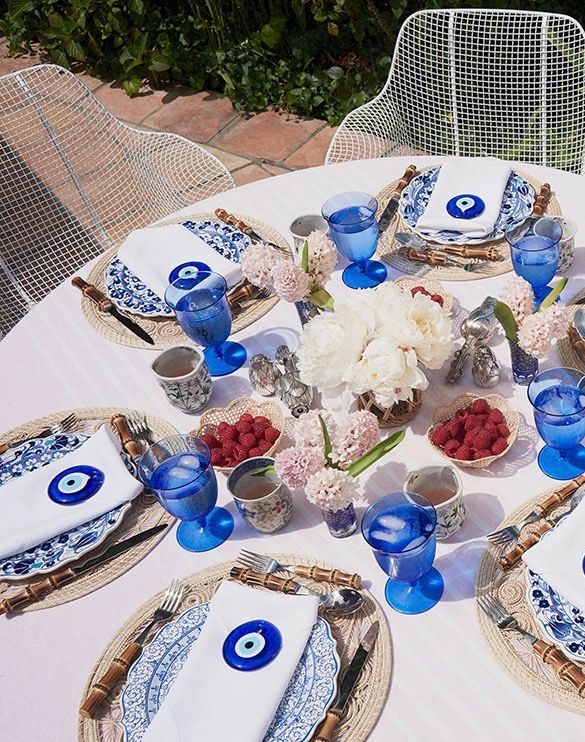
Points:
x=243 y=429
x=428 y=287
x=474 y=431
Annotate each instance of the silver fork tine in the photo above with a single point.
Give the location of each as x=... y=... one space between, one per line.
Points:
x=248 y=562
x=255 y=559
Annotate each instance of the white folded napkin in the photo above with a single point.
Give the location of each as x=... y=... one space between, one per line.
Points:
x=153 y=253
x=28 y=517
x=559 y=557
x=485 y=177
x=213 y=702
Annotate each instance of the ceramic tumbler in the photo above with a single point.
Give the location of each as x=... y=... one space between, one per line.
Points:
x=442 y=486
x=264 y=502
x=182 y=373
x=302 y=227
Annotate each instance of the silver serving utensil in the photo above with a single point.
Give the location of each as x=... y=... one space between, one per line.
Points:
x=478 y=327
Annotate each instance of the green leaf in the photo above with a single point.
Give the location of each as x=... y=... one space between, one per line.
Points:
x=263 y=471
x=132 y=86
x=335 y=73
x=327 y=442
x=321 y=298
x=550 y=299
x=375 y=453
x=158 y=62
x=74 y=49
x=507 y=320
x=305 y=257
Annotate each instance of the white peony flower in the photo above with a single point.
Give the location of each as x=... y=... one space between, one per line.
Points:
x=435 y=339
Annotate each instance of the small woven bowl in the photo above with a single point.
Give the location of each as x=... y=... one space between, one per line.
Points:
x=434 y=287
x=446 y=412
x=211 y=418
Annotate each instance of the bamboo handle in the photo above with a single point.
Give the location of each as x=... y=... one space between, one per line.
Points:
x=424 y=256
x=559 y=496
x=233 y=221
x=564 y=668
x=36 y=590
x=246 y=291
x=128 y=442
x=270 y=581
x=115 y=674
x=92 y=293
x=541 y=200
x=336 y=576
x=409 y=174
x=3 y=448
x=514 y=555
x=576 y=341
x=327 y=728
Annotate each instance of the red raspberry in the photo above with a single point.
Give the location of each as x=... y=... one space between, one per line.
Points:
x=264 y=445
x=482 y=440
x=463 y=453
x=440 y=436
x=254 y=452
x=470 y=423
x=451 y=447
x=217 y=457
x=210 y=440
x=482 y=454
x=271 y=434
x=223 y=425
x=261 y=419
x=438 y=299
x=243 y=427
x=258 y=430
x=492 y=429
x=503 y=430
x=248 y=441
x=499 y=445
x=482 y=419
x=480 y=407
x=228 y=448
x=461 y=413
x=246 y=418
x=418 y=290
x=227 y=434
x=469 y=438
x=240 y=454
x=496 y=417
x=455 y=428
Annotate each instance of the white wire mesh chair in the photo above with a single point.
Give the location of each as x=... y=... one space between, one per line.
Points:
x=74 y=181
x=477 y=82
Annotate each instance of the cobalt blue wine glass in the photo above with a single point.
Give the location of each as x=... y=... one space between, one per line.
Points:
x=179 y=471
x=400 y=528
x=558 y=399
x=534 y=245
x=354 y=229
x=202 y=310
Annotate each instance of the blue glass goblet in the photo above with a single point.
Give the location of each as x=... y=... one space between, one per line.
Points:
x=400 y=528
x=558 y=399
x=354 y=229
x=179 y=471
x=534 y=245
x=202 y=310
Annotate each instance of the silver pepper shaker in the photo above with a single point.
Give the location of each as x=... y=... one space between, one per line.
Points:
x=296 y=395
x=263 y=374
x=485 y=369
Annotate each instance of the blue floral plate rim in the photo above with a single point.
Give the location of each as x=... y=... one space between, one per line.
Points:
x=70 y=545
x=138 y=707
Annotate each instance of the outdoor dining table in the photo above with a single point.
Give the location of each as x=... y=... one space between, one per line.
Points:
x=446 y=685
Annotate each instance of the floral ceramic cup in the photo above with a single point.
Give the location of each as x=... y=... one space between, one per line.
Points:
x=264 y=502
x=442 y=486
x=182 y=373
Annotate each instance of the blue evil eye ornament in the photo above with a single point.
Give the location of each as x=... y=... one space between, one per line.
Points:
x=465 y=206
x=76 y=484
x=187 y=270
x=252 y=645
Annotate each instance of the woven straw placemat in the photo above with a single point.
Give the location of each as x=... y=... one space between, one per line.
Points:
x=144 y=513
x=571 y=357
x=365 y=704
x=165 y=331
x=388 y=247
x=511 y=651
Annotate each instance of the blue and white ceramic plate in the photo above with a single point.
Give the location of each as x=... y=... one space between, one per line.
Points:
x=130 y=294
x=517 y=204
x=304 y=705
x=68 y=546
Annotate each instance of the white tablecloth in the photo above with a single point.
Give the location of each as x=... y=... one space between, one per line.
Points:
x=446 y=685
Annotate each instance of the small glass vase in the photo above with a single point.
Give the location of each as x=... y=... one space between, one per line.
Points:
x=524 y=366
x=341 y=522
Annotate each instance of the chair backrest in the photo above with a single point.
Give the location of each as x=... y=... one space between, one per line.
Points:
x=75 y=181
x=480 y=82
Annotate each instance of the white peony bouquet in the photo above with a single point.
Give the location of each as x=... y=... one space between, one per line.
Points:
x=375 y=341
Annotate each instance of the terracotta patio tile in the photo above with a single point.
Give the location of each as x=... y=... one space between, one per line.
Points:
x=313 y=152
x=268 y=135
x=91 y=82
x=129 y=109
x=15 y=64
x=231 y=161
x=197 y=116
x=250 y=174
x=274 y=169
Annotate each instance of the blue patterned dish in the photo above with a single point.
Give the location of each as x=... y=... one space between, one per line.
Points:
x=303 y=706
x=67 y=546
x=517 y=204
x=130 y=294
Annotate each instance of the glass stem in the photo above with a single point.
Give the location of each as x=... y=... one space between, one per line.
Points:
x=202 y=522
x=218 y=351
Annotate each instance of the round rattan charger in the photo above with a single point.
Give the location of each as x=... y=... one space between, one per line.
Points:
x=144 y=513
x=368 y=697
x=388 y=247
x=511 y=651
x=165 y=331
x=570 y=355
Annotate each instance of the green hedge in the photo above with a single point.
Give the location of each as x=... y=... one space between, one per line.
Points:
x=316 y=57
